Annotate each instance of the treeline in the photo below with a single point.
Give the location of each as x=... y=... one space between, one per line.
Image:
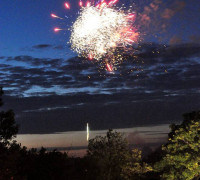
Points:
x=108 y=157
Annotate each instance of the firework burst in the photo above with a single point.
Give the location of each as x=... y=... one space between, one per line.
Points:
x=100 y=30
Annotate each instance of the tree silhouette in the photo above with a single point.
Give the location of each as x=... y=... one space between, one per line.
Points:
x=112 y=159
x=9 y=150
x=8 y=127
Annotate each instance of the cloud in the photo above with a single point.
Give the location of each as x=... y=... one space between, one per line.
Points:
x=175 y=51
x=135 y=138
x=156 y=18
x=49 y=114
x=42 y=46
x=50 y=95
x=163 y=67
x=175 y=7
x=195 y=38
x=59 y=47
x=168 y=13
x=36 y=61
x=175 y=40
x=47 y=46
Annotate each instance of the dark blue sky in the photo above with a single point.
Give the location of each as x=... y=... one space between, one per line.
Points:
x=27 y=23
x=50 y=89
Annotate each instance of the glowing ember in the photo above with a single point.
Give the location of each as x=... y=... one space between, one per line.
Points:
x=67 y=5
x=109 y=67
x=112 y=2
x=81 y=3
x=57 y=29
x=88 y=4
x=55 y=16
x=90 y=57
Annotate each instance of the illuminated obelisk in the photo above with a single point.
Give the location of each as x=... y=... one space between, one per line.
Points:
x=88 y=132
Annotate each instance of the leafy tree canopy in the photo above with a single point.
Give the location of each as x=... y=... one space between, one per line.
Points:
x=182 y=152
x=113 y=159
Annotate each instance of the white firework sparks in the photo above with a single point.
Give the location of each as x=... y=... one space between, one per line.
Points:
x=103 y=32
x=98 y=31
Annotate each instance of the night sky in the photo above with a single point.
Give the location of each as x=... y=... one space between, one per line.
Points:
x=51 y=90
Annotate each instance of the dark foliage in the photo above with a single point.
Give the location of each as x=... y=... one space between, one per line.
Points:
x=8 y=128
x=108 y=158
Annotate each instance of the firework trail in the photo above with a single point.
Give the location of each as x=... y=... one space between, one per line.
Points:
x=67 y=5
x=55 y=16
x=57 y=29
x=100 y=30
x=88 y=132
